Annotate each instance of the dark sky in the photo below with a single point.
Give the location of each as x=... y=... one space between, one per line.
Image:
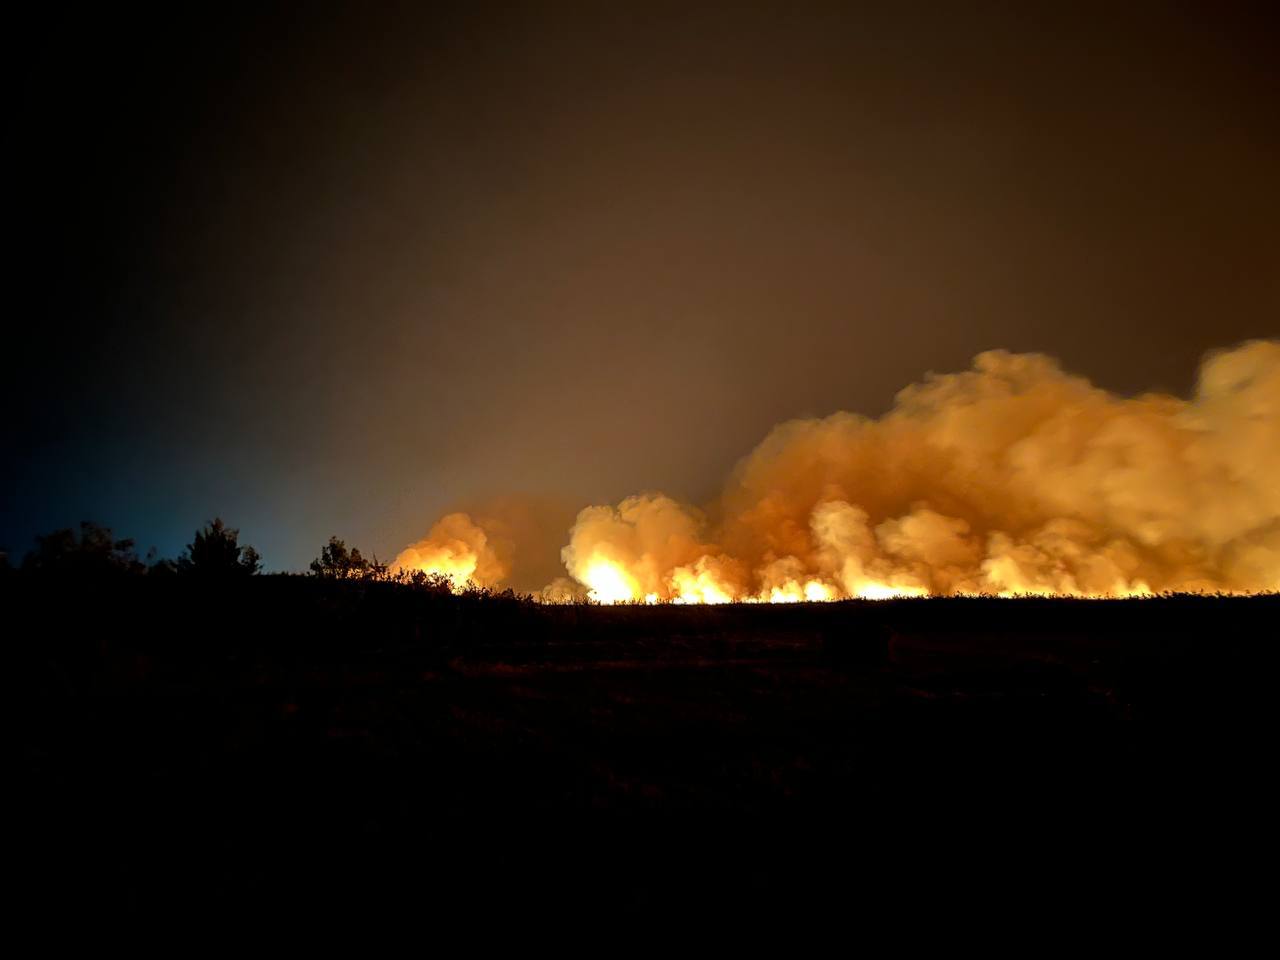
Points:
x=325 y=270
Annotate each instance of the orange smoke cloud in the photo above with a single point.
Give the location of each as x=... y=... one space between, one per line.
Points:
x=1012 y=477
x=457 y=548
x=510 y=540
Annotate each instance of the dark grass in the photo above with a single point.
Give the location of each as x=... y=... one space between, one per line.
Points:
x=292 y=749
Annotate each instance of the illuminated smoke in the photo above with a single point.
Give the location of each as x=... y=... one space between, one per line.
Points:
x=1012 y=477
x=478 y=543
x=456 y=548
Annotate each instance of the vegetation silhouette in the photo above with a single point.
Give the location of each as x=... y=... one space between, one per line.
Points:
x=216 y=552
x=338 y=562
x=95 y=552
x=355 y=742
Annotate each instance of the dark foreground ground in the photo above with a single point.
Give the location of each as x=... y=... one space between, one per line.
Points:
x=300 y=751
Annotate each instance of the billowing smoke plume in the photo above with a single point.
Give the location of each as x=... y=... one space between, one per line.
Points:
x=458 y=548
x=508 y=541
x=1013 y=477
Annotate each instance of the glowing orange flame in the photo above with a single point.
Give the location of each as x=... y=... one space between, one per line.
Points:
x=1013 y=478
x=608 y=583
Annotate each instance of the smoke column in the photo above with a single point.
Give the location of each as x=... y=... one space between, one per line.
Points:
x=1013 y=477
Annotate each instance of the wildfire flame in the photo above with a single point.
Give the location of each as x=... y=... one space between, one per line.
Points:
x=1011 y=478
x=609 y=583
x=456 y=549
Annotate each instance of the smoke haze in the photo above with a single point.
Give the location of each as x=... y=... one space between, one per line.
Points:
x=1012 y=477
x=348 y=273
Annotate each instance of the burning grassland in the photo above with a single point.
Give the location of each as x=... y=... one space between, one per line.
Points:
x=1014 y=477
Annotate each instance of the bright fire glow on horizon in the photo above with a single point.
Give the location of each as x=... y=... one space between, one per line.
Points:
x=608 y=583
x=1014 y=478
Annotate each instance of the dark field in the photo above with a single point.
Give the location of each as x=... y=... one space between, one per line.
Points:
x=290 y=749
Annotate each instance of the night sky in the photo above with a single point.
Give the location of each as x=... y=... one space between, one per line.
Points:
x=321 y=270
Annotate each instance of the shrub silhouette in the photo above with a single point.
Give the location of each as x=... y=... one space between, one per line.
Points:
x=94 y=553
x=433 y=583
x=216 y=552
x=337 y=562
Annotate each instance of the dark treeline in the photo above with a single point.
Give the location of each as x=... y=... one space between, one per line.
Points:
x=215 y=552
x=200 y=740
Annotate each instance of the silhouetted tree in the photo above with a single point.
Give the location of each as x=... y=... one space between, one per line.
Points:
x=250 y=560
x=338 y=562
x=163 y=568
x=93 y=553
x=216 y=552
x=437 y=583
